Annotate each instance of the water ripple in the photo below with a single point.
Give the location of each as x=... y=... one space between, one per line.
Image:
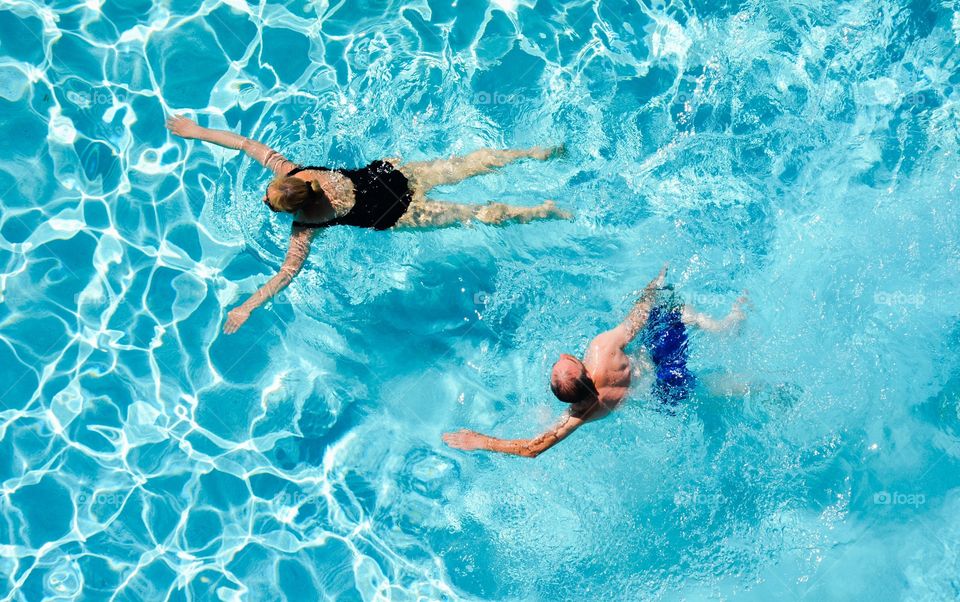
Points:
x=805 y=151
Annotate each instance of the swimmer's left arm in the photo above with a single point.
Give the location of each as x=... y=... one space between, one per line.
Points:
x=296 y=256
x=527 y=448
x=263 y=154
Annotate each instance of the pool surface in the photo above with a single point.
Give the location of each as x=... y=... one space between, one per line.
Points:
x=804 y=151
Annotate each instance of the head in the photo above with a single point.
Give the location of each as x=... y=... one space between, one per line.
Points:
x=290 y=194
x=570 y=381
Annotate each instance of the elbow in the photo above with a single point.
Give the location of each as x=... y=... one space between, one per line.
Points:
x=287 y=274
x=532 y=449
x=532 y=452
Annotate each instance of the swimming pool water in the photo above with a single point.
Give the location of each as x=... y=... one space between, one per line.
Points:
x=804 y=151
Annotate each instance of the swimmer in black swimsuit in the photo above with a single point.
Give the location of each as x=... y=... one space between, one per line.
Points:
x=385 y=194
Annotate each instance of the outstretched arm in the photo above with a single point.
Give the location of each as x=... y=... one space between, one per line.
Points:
x=266 y=156
x=528 y=448
x=299 y=249
x=637 y=318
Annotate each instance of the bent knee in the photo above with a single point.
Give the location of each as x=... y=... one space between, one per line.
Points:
x=492 y=212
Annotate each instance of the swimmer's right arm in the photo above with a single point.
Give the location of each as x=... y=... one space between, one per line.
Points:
x=297 y=254
x=527 y=448
x=263 y=154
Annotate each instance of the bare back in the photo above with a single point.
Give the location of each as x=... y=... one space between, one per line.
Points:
x=609 y=368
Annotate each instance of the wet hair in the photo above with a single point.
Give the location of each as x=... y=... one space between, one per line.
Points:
x=573 y=388
x=293 y=194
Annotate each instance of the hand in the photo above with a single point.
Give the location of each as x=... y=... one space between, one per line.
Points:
x=738 y=305
x=235 y=319
x=183 y=127
x=464 y=439
x=660 y=279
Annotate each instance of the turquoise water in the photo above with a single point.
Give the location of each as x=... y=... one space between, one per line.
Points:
x=804 y=151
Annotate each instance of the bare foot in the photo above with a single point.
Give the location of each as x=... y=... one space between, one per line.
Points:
x=548 y=210
x=542 y=153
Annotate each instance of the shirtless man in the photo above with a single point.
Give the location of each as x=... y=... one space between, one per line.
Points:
x=595 y=386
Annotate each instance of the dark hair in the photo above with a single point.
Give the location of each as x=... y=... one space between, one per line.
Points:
x=574 y=390
x=293 y=194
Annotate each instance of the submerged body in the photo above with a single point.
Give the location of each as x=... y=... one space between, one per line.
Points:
x=598 y=384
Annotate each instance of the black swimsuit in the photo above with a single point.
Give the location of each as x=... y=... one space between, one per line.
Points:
x=382 y=196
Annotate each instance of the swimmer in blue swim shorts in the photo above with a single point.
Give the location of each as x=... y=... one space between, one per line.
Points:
x=597 y=384
x=664 y=337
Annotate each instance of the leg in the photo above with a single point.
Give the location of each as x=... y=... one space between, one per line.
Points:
x=425 y=175
x=724 y=387
x=724 y=384
x=436 y=214
x=695 y=319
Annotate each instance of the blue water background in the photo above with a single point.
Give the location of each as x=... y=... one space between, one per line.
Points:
x=804 y=151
